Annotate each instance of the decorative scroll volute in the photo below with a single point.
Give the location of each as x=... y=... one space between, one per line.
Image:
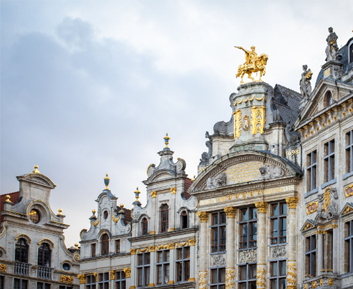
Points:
x=237 y=123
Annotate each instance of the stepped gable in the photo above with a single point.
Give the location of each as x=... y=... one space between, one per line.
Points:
x=14 y=198
x=287 y=101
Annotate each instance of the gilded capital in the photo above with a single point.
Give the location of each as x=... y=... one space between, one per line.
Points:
x=173 y=190
x=154 y=194
x=192 y=242
x=261 y=207
x=112 y=274
x=82 y=278
x=152 y=248
x=203 y=216
x=127 y=272
x=230 y=212
x=292 y=202
x=95 y=274
x=171 y=246
x=133 y=251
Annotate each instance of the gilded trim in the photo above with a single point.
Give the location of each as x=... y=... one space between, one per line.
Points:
x=312 y=207
x=127 y=272
x=348 y=191
x=25 y=236
x=66 y=279
x=46 y=241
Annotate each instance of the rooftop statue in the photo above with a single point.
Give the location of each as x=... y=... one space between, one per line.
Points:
x=253 y=63
x=305 y=85
x=332 y=47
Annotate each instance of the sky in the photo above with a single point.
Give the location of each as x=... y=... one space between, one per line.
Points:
x=92 y=87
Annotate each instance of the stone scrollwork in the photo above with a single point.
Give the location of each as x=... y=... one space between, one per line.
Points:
x=257 y=119
x=218 y=260
x=279 y=252
x=230 y=278
x=218 y=181
x=202 y=280
x=248 y=256
x=237 y=123
x=269 y=172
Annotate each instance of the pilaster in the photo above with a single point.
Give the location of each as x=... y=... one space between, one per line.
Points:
x=230 y=237
x=202 y=283
x=261 y=245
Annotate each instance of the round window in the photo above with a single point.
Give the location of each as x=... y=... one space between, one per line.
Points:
x=66 y=266
x=105 y=214
x=34 y=216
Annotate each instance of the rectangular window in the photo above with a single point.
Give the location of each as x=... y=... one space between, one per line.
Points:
x=311 y=171
x=247 y=276
x=278 y=274
x=93 y=250
x=20 y=284
x=162 y=265
x=349 y=151
x=183 y=264
x=348 y=242
x=329 y=160
x=310 y=256
x=218 y=278
x=43 y=285
x=2 y=282
x=218 y=228
x=90 y=282
x=278 y=223
x=120 y=280
x=248 y=228
x=103 y=280
x=117 y=246
x=143 y=270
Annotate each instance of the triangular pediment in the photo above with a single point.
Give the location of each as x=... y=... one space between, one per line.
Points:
x=347 y=209
x=308 y=225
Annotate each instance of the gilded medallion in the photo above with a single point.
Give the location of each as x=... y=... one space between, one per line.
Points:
x=246 y=123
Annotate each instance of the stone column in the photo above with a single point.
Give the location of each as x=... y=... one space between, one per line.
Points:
x=292 y=244
x=152 y=265
x=261 y=245
x=192 y=244
x=320 y=252
x=230 y=246
x=203 y=250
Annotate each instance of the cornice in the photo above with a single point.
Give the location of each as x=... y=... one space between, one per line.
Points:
x=164 y=235
x=109 y=256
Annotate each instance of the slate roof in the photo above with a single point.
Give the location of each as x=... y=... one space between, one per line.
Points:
x=187 y=184
x=14 y=198
x=287 y=102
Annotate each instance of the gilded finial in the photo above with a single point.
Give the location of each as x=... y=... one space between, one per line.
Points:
x=193 y=179
x=94 y=212
x=8 y=199
x=122 y=205
x=76 y=245
x=166 y=140
x=60 y=212
x=137 y=194
x=106 y=182
x=36 y=171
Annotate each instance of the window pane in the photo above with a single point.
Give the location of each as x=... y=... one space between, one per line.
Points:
x=187 y=253
x=252 y=285
x=166 y=273
x=274 y=210
x=283 y=268
x=274 y=269
x=223 y=218
x=284 y=209
x=179 y=254
x=254 y=213
x=139 y=259
x=159 y=274
x=179 y=271
x=147 y=276
x=222 y=275
x=214 y=276
x=282 y=283
x=252 y=271
x=159 y=257
x=147 y=258
x=243 y=273
x=274 y=284
x=244 y=215
x=187 y=270
x=166 y=256
x=242 y=286
x=215 y=219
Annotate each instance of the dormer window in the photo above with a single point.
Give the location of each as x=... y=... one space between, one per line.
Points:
x=184 y=220
x=164 y=218
x=34 y=216
x=144 y=225
x=328 y=98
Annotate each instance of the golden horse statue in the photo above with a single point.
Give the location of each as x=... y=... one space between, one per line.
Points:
x=253 y=63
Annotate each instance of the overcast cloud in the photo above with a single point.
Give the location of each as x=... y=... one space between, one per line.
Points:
x=91 y=87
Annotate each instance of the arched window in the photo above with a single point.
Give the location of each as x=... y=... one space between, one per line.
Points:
x=21 y=251
x=105 y=244
x=164 y=218
x=144 y=226
x=184 y=220
x=44 y=255
x=328 y=98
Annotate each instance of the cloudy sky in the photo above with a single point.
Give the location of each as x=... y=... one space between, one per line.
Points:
x=91 y=87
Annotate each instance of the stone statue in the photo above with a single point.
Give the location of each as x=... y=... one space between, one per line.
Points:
x=253 y=63
x=269 y=172
x=328 y=206
x=218 y=181
x=332 y=47
x=205 y=157
x=305 y=85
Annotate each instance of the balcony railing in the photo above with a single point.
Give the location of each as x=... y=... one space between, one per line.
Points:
x=44 y=272
x=21 y=268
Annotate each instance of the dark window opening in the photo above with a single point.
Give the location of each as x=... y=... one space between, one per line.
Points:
x=184 y=220
x=105 y=244
x=21 y=251
x=144 y=226
x=164 y=218
x=44 y=255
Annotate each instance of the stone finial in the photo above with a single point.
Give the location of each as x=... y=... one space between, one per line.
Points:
x=137 y=194
x=230 y=212
x=36 y=171
x=106 y=182
x=261 y=207
x=203 y=216
x=8 y=199
x=166 y=140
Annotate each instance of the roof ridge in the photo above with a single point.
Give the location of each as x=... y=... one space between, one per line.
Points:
x=297 y=93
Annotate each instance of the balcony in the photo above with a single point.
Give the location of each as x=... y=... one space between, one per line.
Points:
x=22 y=268
x=44 y=272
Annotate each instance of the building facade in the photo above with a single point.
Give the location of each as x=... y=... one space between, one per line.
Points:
x=271 y=206
x=33 y=254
